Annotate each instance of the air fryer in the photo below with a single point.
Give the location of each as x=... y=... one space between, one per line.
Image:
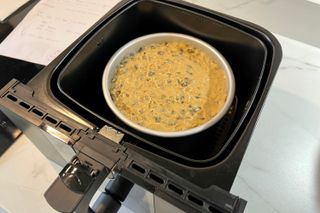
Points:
x=63 y=111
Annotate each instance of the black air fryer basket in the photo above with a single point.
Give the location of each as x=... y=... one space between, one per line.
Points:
x=63 y=111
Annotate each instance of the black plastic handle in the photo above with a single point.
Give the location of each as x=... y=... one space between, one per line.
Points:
x=73 y=190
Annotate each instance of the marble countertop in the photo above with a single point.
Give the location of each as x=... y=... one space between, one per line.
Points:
x=280 y=171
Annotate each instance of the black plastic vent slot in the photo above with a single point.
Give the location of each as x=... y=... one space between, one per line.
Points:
x=175 y=189
x=12 y=98
x=88 y=163
x=195 y=200
x=24 y=105
x=138 y=168
x=156 y=178
x=65 y=127
x=37 y=112
x=51 y=120
x=212 y=209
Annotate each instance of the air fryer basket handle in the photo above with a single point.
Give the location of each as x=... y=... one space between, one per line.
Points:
x=74 y=188
x=116 y=192
x=76 y=184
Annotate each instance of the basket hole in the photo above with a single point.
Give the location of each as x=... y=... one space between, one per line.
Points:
x=195 y=200
x=24 y=105
x=156 y=178
x=175 y=189
x=211 y=209
x=88 y=163
x=37 y=112
x=12 y=98
x=138 y=168
x=65 y=127
x=51 y=120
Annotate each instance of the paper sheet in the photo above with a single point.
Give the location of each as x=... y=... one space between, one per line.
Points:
x=51 y=26
x=7 y=7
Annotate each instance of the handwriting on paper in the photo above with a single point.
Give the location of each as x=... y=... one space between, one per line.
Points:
x=51 y=26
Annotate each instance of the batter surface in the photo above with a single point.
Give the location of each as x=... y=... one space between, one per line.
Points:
x=170 y=86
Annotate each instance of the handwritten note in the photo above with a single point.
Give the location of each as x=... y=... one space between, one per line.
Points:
x=51 y=26
x=7 y=7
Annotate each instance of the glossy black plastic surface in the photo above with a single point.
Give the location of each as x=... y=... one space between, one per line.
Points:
x=80 y=80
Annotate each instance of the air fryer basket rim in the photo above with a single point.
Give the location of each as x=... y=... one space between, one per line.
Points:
x=200 y=161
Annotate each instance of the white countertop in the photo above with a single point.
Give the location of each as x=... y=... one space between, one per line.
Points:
x=280 y=171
